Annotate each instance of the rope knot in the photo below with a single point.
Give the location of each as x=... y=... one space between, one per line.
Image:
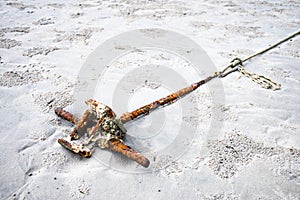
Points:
x=235 y=62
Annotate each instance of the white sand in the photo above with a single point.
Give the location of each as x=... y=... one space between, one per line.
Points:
x=254 y=155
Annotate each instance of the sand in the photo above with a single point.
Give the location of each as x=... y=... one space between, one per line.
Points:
x=231 y=139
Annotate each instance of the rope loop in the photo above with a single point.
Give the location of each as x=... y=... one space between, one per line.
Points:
x=232 y=67
x=237 y=65
x=236 y=62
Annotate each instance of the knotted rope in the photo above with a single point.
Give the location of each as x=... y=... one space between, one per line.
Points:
x=237 y=65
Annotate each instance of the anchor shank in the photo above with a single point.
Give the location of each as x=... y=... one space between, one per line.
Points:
x=145 y=110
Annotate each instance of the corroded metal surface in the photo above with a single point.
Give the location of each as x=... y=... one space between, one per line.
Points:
x=97 y=127
x=145 y=110
x=103 y=129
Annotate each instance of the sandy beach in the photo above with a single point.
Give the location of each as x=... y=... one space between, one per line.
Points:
x=230 y=139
